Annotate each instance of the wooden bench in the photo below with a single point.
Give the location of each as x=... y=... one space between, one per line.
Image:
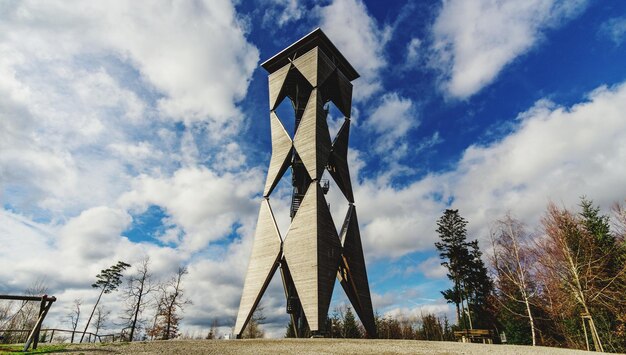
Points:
x=484 y=336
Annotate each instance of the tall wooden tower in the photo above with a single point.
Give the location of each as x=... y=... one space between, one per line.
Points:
x=310 y=73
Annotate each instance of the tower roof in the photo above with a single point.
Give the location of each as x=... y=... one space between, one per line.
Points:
x=317 y=38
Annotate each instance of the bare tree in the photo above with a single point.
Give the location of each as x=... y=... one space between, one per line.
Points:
x=31 y=309
x=619 y=218
x=171 y=301
x=108 y=280
x=22 y=315
x=74 y=316
x=577 y=270
x=6 y=317
x=512 y=262
x=5 y=313
x=156 y=330
x=253 y=329
x=213 y=331
x=138 y=287
x=102 y=317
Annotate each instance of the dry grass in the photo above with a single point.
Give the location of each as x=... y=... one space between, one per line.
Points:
x=309 y=346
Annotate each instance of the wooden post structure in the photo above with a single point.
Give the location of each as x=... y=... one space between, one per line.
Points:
x=42 y=306
x=46 y=303
x=310 y=73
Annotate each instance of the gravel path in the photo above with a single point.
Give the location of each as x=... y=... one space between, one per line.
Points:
x=310 y=346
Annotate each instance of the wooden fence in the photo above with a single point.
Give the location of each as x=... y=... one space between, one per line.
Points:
x=45 y=304
x=47 y=335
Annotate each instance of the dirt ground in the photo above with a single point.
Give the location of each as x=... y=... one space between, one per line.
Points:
x=310 y=346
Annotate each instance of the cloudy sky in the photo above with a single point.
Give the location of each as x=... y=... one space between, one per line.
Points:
x=134 y=128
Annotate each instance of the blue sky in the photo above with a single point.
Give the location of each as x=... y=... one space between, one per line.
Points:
x=133 y=129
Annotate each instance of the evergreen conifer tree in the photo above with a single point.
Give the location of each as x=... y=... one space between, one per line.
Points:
x=452 y=231
x=471 y=284
x=108 y=280
x=350 y=326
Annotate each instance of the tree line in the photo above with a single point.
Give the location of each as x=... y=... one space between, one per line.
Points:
x=17 y=315
x=150 y=308
x=342 y=323
x=561 y=283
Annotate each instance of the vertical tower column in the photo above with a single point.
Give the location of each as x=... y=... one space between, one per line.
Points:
x=310 y=73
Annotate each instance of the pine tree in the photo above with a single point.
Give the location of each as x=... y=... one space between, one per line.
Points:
x=597 y=225
x=108 y=280
x=350 y=326
x=453 y=250
x=479 y=287
x=607 y=248
x=289 y=332
x=213 y=331
x=472 y=286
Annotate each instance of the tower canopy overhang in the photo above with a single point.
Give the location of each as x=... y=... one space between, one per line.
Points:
x=317 y=38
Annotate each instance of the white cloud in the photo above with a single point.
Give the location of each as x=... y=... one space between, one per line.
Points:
x=415 y=313
x=230 y=158
x=614 y=29
x=475 y=40
x=55 y=125
x=397 y=221
x=432 y=268
x=407 y=302
x=413 y=54
x=140 y=155
x=429 y=142
x=17 y=268
x=357 y=35
x=171 y=45
x=89 y=91
x=90 y=100
x=391 y=120
x=557 y=153
x=91 y=242
x=198 y=200
x=281 y=12
x=91 y=236
x=86 y=244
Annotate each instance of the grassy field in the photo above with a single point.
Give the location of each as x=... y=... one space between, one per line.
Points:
x=296 y=346
x=41 y=349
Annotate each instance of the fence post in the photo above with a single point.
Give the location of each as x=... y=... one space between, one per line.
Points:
x=42 y=306
x=35 y=333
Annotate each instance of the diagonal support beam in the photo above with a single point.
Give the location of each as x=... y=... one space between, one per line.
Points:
x=312 y=250
x=352 y=274
x=312 y=140
x=266 y=252
x=338 y=161
x=338 y=89
x=281 y=154
x=315 y=66
x=276 y=84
